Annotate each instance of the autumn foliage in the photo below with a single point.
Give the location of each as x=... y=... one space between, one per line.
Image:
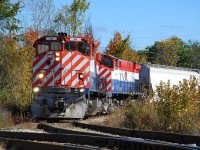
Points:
x=91 y=39
x=121 y=48
x=30 y=36
x=177 y=109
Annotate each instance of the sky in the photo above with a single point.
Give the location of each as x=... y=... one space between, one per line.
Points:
x=146 y=21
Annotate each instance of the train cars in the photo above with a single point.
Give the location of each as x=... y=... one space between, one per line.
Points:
x=152 y=74
x=71 y=80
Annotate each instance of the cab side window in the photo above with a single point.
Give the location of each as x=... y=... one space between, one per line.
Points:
x=84 y=48
x=107 y=62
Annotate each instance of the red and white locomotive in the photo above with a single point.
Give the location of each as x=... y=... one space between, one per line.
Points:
x=71 y=80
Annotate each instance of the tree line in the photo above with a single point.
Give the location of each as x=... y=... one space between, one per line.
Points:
x=172 y=51
x=17 y=36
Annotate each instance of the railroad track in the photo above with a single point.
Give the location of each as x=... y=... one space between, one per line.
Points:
x=20 y=144
x=58 y=138
x=117 y=142
x=154 y=135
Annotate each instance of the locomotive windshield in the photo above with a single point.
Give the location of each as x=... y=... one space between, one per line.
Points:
x=45 y=46
x=70 y=46
x=84 y=48
x=42 y=47
x=55 y=46
x=107 y=62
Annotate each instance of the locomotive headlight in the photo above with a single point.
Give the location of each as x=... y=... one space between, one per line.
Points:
x=57 y=54
x=82 y=90
x=41 y=75
x=57 y=58
x=36 y=89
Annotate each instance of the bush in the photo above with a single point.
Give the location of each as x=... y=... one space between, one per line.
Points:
x=141 y=116
x=5 y=119
x=177 y=109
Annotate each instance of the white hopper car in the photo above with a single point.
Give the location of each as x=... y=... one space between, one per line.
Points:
x=152 y=74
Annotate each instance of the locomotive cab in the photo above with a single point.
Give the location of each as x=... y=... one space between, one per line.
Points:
x=60 y=76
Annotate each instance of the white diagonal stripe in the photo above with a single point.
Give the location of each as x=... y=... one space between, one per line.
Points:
x=50 y=73
x=58 y=76
x=66 y=58
x=53 y=81
x=39 y=63
x=81 y=64
x=78 y=68
x=69 y=76
x=104 y=75
x=75 y=59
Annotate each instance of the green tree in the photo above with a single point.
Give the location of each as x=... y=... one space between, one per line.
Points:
x=189 y=55
x=15 y=77
x=184 y=57
x=8 y=12
x=165 y=52
x=194 y=55
x=61 y=20
x=142 y=56
x=77 y=10
x=151 y=53
x=71 y=17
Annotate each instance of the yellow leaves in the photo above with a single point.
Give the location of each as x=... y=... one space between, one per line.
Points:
x=121 y=48
x=15 y=77
x=130 y=55
x=168 y=51
x=178 y=102
x=30 y=36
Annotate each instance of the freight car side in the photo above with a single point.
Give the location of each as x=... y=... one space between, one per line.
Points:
x=152 y=74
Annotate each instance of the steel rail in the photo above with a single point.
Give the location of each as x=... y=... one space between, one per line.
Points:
x=155 y=135
x=99 y=141
x=52 y=129
x=49 y=128
x=10 y=143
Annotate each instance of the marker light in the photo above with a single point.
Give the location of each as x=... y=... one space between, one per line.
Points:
x=81 y=76
x=36 y=89
x=41 y=75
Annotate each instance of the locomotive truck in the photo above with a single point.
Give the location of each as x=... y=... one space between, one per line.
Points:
x=72 y=80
